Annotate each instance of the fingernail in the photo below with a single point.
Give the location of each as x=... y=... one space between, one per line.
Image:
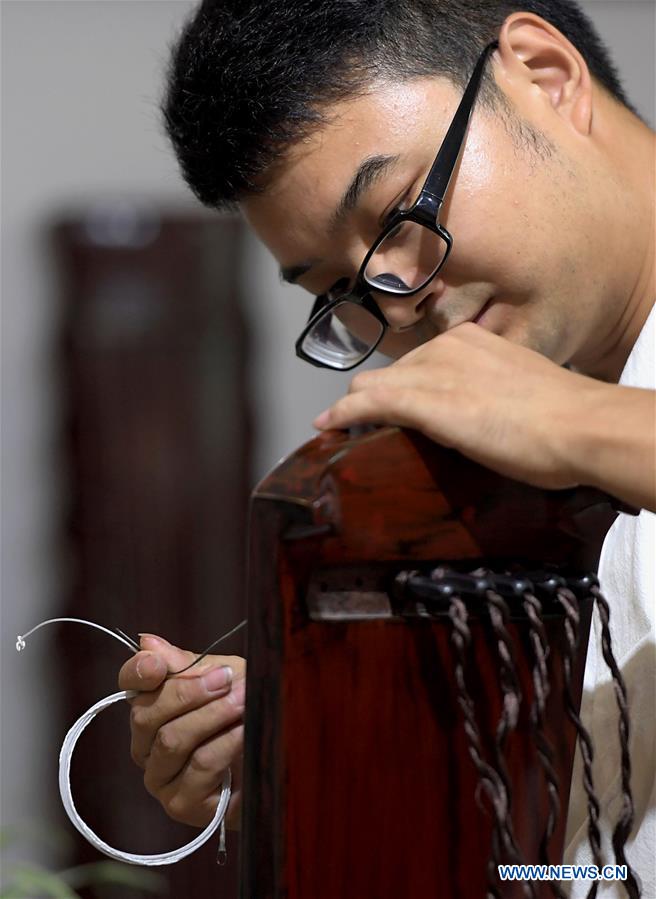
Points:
x=322 y=421
x=150 y=666
x=218 y=679
x=151 y=638
x=237 y=695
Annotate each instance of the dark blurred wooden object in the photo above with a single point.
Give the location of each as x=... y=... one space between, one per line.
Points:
x=358 y=781
x=157 y=450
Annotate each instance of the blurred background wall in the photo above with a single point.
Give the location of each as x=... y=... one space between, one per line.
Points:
x=80 y=85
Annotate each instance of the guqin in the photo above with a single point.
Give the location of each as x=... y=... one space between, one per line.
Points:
x=417 y=634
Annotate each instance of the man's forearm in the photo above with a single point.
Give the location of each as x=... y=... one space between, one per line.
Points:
x=617 y=449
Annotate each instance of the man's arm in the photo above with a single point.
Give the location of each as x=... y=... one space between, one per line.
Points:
x=514 y=411
x=617 y=450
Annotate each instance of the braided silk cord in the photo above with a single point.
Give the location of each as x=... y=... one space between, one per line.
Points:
x=66 y=756
x=490 y=780
x=541 y=690
x=512 y=697
x=625 y=822
x=570 y=604
x=493 y=778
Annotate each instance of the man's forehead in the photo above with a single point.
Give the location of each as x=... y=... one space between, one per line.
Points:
x=389 y=120
x=390 y=127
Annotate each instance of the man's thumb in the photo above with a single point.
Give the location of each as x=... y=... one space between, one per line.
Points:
x=174 y=657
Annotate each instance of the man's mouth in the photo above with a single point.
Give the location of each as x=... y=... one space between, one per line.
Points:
x=437 y=321
x=446 y=315
x=482 y=312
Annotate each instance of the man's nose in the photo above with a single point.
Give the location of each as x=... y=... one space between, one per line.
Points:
x=403 y=312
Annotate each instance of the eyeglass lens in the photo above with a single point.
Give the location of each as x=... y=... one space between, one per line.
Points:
x=343 y=336
x=406 y=259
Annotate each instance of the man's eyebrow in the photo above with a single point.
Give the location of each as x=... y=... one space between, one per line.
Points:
x=369 y=171
x=291 y=273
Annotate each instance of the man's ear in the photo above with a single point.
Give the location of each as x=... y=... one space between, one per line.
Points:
x=535 y=54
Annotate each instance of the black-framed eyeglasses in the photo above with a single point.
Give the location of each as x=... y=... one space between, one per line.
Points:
x=346 y=326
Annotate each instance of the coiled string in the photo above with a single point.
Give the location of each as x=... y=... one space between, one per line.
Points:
x=71 y=738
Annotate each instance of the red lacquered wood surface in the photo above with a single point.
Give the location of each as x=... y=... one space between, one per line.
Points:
x=358 y=781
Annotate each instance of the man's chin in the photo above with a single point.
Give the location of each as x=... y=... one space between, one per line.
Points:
x=518 y=326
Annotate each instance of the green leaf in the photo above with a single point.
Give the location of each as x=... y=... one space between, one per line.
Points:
x=11 y=892
x=115 y=873
x=28 y=881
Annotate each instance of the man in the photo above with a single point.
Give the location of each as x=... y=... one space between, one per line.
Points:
x=527 y=245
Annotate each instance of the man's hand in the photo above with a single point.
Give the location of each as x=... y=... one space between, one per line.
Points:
x=512 y=410
x=188 y=729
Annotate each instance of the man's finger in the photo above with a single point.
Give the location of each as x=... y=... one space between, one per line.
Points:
x=379 y=405
x=179 y=695
x=148 y=669
x=144 y=671
x=175 y=657
x=412 y=377
x=176 y=741
x=192 y=796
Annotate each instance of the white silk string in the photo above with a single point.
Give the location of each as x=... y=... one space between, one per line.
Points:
x=66 y=756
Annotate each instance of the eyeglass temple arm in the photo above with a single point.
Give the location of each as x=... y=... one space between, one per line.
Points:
x=439 y=177
x=318 y=304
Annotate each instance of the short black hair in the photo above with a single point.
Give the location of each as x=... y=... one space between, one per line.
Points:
x=248 y=78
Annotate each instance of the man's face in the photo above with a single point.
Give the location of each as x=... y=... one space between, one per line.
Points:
x=519 y=217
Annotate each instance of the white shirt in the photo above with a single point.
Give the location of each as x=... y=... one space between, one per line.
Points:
x=627 y=571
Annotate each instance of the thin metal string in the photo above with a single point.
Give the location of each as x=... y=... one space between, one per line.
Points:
x=122 y=637
x=209 y=649
x=115 y=633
